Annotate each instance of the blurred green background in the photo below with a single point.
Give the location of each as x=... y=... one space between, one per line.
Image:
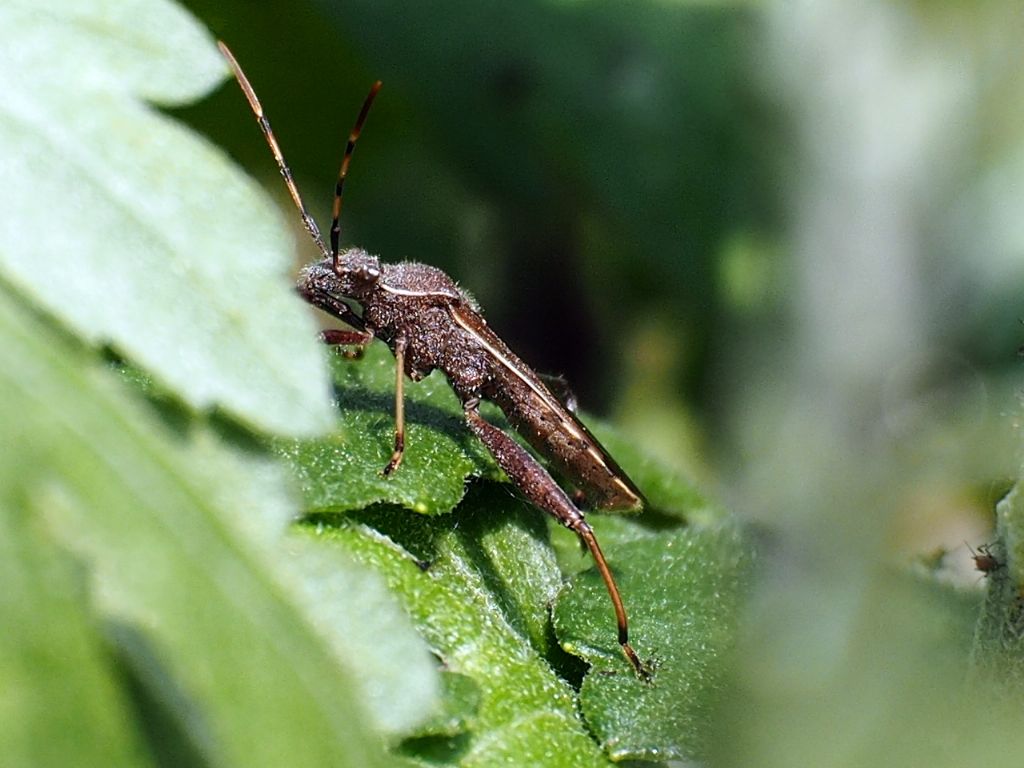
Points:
x=778 y=243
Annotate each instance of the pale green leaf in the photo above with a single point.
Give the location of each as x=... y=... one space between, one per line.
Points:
x=136 y=232
x=179 y=539
x=60 y=699
x=369 y=634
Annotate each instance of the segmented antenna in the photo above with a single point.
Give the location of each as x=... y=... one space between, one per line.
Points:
x=268 y=133
x=286 y=172
x=339 y=186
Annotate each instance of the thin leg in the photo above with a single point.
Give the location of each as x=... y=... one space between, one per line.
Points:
x=396 y=456
x=540 y=489
x=337 y=337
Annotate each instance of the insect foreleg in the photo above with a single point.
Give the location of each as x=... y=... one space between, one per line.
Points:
x=340 y=338
x=541 y=490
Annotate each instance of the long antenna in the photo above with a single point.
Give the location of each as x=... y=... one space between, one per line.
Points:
x=286 y=172
x=339 y=186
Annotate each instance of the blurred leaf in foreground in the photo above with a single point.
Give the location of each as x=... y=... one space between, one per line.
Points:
x=134 y=231
x=180 y=539
x=60 y=703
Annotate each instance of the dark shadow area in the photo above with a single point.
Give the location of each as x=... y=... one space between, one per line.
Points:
x=440 y=750
x=415 y=533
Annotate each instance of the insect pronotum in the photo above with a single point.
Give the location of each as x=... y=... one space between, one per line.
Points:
x=429 y=323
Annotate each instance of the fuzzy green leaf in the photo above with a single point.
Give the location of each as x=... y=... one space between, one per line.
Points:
x=998 y=656
x=343 y=471
x=134 y=231
x=502 y=548
x=477 y=584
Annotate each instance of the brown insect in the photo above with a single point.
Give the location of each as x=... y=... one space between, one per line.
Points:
x=430 y=323
x=984 y=559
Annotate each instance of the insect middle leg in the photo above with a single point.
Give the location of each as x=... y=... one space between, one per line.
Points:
x=541 y=490
x=396 y=457
x=357 y=340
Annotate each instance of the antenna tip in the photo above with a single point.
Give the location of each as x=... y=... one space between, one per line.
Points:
x=226 y=53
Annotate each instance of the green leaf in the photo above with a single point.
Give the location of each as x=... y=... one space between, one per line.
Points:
x=998 y=657
x=685 y=621
x=134 y=231
x=369 y=633
x=343 y=471
x=682 y=590
x=180 y=539
x=477 y=584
